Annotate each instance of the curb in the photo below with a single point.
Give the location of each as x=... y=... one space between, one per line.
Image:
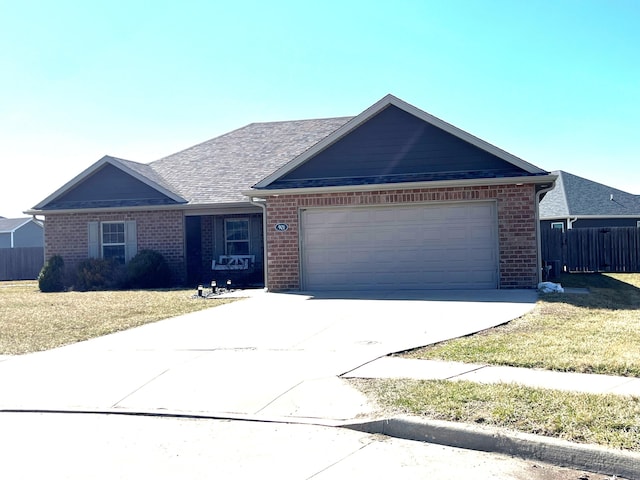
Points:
x=591 y=458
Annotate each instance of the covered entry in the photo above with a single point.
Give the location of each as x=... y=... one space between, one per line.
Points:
x=425 y=246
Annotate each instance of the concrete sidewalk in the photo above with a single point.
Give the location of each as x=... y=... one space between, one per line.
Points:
x=534 y=447
x=397 y=367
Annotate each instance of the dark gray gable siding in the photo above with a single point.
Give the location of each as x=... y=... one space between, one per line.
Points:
x=395 y=146
x=109 y=187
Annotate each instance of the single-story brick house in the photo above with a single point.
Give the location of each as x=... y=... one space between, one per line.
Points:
x=578 y=202
x=391 y=198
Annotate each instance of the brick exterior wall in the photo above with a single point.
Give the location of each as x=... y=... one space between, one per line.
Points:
x=516 y=227
x=67 y=235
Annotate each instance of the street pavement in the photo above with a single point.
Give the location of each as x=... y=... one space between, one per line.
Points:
x=245 y=389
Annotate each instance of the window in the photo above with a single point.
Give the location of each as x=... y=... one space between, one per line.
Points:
x=638 y=223
x=558 y=225
x=113 y=240
x=236 y=235
x=113 y=244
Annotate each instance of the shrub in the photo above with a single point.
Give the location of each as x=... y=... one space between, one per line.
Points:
x=98 y=274
x=51 y=277
x=148 y=269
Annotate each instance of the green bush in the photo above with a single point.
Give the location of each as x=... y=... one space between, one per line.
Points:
x=98 y=274
x=51 y=277
x=148 y=269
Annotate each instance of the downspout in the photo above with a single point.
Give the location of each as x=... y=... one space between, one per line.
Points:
x=263 y=205
x=538 y=236
x=570 y=223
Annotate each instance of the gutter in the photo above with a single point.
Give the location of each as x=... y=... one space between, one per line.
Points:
x=186 y=207
x=263 y=206
x=263 y=193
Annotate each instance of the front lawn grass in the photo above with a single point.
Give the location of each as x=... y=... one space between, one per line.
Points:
x=31 y=321
x=608 y=420
x=594 y=333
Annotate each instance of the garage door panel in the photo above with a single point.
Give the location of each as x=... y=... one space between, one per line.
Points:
x=425 y=246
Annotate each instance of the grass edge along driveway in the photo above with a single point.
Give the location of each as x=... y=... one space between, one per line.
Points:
x=32 y=321
x=595 y=333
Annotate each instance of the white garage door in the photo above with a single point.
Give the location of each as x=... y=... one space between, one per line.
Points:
x=452 y=246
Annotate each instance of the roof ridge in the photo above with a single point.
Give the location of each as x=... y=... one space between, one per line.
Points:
x=226 y=134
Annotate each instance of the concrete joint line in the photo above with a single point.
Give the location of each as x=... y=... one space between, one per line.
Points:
x=280 y=396
x=115 y=405
x=350 y=454
x=467 y=372
x=558 y=452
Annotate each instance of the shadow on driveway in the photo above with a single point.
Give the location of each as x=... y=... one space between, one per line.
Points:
x=492 y=296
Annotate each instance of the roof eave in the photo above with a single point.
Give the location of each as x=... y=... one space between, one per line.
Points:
x=584 y=217
x=539 y=179
x=187 y=207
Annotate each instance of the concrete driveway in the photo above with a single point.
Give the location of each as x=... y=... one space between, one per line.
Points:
x=267 y=356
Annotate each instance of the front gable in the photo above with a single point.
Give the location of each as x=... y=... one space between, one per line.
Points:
x=395 y=146
x=108 y=184
x=394 y=142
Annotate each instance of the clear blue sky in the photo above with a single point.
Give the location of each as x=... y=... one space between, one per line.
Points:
x=555 y=82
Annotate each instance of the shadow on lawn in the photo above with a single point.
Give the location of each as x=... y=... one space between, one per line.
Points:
x=605 y=291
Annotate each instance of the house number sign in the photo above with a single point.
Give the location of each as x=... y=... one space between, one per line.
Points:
x=281 y=227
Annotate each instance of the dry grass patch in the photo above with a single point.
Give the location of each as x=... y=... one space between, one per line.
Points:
x=608 y=420
x=595 y=333
x=32 y=321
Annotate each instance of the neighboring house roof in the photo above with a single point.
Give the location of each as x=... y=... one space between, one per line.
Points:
x=575 y=196
x=9 y=225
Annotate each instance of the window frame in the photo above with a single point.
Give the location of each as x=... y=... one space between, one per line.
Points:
x=227 y=242
x=123 y=244
x=554 y=227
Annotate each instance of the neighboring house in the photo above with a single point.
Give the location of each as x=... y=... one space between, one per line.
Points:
x=576 y=202
x=21 y=232
x=392 y=198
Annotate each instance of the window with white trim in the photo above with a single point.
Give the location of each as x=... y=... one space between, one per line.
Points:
x=236 y=236
x=113 y=240
x=113 y=244
x=558 y=225
x=638 y=223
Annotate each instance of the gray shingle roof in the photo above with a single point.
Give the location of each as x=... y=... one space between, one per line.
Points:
x=10 y=224
x=576 y=196
x=218 y=170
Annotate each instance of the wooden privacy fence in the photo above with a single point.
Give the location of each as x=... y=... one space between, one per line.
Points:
x=610 y=249
x=21 y=263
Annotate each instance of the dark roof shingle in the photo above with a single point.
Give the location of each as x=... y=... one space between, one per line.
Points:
x=576 y=196
x=218 y=170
